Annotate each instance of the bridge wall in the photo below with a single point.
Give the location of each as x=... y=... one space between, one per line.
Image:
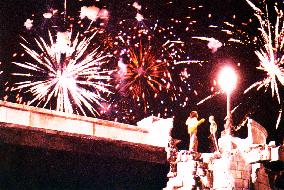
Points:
x=53 y=120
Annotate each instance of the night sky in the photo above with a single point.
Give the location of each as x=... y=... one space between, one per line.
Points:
x=181 y=20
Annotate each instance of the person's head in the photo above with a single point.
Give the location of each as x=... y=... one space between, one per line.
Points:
x=193 y=114
x=211 y=118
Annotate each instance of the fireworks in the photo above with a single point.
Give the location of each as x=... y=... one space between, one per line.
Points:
x=145 y=73
x=271 y=53
x=146 y=55
x=28 y=24
x=158 y=65
x=213 y=44
x=67 y=70
x=0 y=70
x=267 y=42
x=143 y=77
x=268 y=45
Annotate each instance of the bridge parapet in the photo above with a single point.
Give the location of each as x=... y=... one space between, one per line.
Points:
x=53 y=120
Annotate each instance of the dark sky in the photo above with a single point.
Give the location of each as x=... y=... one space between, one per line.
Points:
x=258 y=104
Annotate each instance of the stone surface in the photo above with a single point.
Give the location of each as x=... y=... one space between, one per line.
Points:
x=236 y=167
x=259 y=134
x=155 y=135
x=159 y=130
x=36 y=127
x=56 y=140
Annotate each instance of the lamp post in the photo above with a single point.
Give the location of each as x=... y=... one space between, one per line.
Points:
x=227 y=79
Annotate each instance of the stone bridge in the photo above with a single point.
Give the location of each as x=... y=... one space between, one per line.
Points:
x=36 y=127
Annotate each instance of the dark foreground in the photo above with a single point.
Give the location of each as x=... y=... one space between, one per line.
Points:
x=24 y=167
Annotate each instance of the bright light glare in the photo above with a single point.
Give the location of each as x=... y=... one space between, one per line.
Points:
x=227 y=79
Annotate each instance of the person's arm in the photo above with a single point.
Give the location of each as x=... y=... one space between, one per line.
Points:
x=200 y=121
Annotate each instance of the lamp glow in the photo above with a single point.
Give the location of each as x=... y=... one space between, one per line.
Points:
x=227 y=79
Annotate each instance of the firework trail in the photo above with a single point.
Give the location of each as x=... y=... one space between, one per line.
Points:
x=213 y=44
x=208 y=97
x=0 y=70
x=189 y=62
x=66 y=69
x=279 y=118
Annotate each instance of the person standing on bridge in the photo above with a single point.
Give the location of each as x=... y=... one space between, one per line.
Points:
x=192 y=123
x=213 y=130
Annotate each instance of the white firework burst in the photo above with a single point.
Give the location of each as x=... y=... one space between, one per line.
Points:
x=271 y=51
x=68 y=70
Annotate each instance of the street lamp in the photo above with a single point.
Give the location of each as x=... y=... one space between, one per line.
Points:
x=227 y=80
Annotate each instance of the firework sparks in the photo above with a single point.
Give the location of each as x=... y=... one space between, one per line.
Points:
x=50 y=13
x=137 y=6
x=189 y=62
x=269 y=46
x=94 y=13
x=144 y=72
x=208 y=97
x=213 y=44
x=91 y=13
x=66 y=70
x=28 y=24
x=279 y=118
x=271 y=53
x=146 y=53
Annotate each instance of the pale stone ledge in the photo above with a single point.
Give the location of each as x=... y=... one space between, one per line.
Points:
x=154 y=133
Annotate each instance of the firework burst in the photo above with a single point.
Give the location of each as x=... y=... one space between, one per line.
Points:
x=271 y=53
x=266 y=39
x=66 y=69
x=145 y=74
x=146 y=53
x=268 y=45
